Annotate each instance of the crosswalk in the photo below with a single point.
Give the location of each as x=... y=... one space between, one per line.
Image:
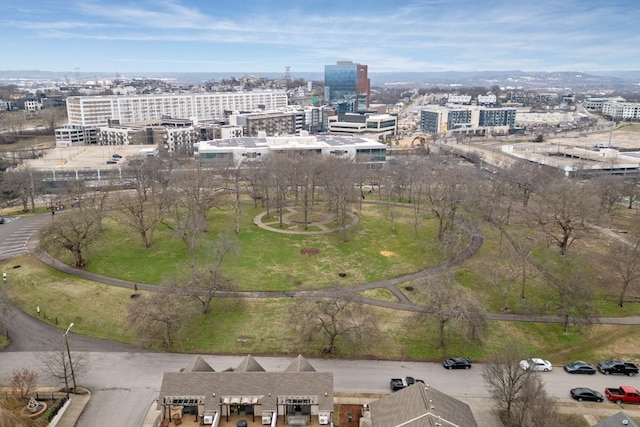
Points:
x=9 y=219
x=15 y=242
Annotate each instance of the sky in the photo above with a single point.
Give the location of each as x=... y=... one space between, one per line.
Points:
x=254 y=36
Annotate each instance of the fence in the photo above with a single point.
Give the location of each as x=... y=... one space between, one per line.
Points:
x=626 y=299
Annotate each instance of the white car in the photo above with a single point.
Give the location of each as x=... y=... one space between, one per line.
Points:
x=536 y=364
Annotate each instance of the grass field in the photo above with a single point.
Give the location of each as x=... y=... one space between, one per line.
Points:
x=272 y=261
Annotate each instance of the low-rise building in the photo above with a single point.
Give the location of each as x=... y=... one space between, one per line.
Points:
x=296 y=396
x=376 y=126
x=235 y=151
x=417 y=405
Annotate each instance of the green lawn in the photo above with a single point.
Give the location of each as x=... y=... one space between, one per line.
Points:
x=270 y=261
x=273 y=261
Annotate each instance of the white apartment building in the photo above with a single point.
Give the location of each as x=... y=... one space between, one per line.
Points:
x=454 y=98
x=95 y=111
x=593 y=103
x=621 y=110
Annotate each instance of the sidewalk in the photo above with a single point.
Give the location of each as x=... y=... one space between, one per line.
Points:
x=76 y=406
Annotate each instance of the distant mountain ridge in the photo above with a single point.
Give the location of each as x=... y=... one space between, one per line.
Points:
x=565 y=80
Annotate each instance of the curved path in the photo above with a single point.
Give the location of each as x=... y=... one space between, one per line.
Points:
x=403 y=302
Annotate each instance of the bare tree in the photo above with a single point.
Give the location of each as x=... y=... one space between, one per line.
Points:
x=527 y=178
x=58 y=366
x=610 y=190
x=75 y=231
x=23 y=381
x=332 y=319
x=447 y=302
x=566 y=207
x=308 y=175
x=505 y=379
x=23 y=184
x=205 y=283
x=625 y=260
x=145 y=207
x=571 y=296
x=445 y=194
x=195 y=192
x=631 y=192
x=338 y=178
x=534 y=407
x=158 y=317
x=94 y=203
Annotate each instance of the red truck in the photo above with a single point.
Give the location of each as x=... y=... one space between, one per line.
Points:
x=623 y=394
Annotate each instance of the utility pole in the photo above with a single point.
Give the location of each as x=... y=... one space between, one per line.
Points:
x=66 y=341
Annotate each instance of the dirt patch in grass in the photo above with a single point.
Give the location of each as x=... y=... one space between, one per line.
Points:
x=387 y=254
x=349 y=415
x=310 y=251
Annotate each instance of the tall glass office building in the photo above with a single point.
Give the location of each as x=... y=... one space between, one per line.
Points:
x=347 y=86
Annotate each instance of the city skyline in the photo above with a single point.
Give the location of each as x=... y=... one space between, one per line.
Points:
x=267 y=36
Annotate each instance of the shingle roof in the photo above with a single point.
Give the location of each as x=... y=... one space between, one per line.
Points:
x=249 y=364
x=300 y=364
x=420 y=406
x=198 y=365
x=213 y=386
x=618 y=420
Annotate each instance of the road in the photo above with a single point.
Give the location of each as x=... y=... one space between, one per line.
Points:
x=125 y=384
x=16 y=232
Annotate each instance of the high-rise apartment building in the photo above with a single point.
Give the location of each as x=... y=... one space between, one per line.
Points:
x=98 y=110
x=347 y=86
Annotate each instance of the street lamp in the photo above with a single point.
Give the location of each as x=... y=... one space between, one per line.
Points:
x=66 y=341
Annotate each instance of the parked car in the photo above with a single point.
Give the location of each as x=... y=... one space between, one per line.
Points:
x=583 y=393
x=614 y=366
x=400 y=383
x=536 y=364
x=457 y=363
x=580 y=367
x=1 y=220
x=623 y=394
x=112 y=161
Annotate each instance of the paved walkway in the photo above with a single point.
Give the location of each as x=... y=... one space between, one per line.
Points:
x=403 y=302
x=324 y=226
x=77 y=403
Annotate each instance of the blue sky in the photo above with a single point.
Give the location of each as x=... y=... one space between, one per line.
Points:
x=253 y=36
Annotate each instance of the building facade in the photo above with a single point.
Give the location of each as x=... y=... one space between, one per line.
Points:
x=376 y=126
x=236 y=151
x=347 y=84
x=629 y=111
x=94 y=111
x=467 y=119
x=296 y=396
x=272 y=123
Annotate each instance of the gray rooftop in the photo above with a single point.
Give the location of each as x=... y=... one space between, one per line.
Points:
x=618 y=420
x=300 y=364
x=214 y=386
x=420 y=406
x=249 y=364
x=198 y=365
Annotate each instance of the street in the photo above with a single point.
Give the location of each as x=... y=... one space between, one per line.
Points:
x=123 y=385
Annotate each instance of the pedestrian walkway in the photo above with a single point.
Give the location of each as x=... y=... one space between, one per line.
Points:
x=323 y=226
x=403 y=303
x=77 y=403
